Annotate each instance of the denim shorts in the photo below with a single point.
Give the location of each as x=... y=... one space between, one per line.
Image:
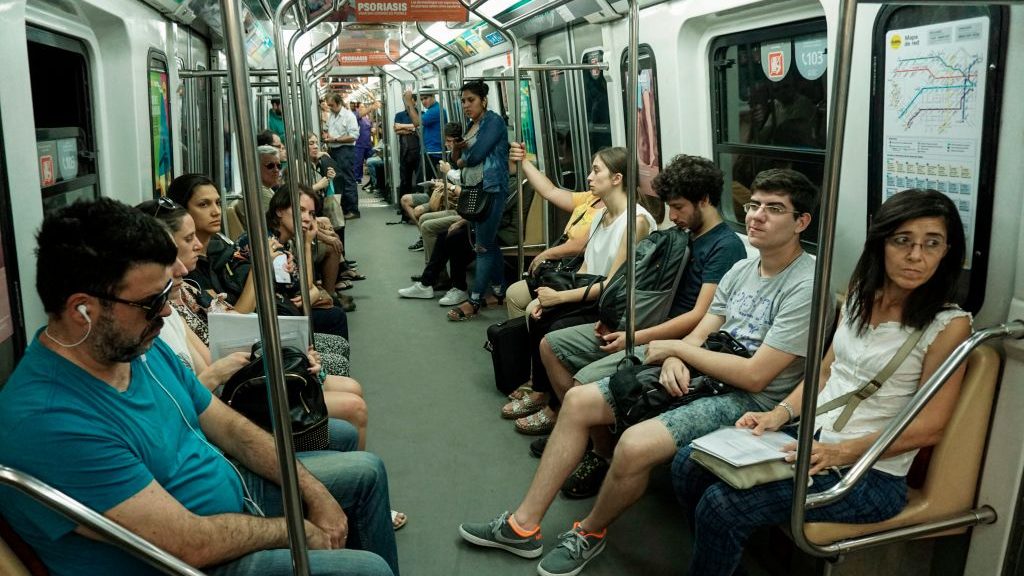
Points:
x=697 y=418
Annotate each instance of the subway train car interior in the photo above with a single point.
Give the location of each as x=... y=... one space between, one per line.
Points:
x=554 y=258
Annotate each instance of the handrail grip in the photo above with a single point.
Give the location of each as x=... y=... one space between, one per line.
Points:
x=111 y=531
x=921 y=398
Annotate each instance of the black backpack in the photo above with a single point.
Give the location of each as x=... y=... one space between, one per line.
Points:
x=660 y=260
x=229 y=267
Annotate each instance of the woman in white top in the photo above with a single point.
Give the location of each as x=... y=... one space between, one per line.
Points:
x=903 y=282
x=605 y=251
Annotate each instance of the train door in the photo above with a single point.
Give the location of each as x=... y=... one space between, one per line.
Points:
x=588 y=45
x=12 y=322
x=62 y=107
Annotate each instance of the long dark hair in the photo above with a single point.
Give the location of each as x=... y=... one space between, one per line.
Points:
x=869 y=276
x=182 y=188
x=282 y=200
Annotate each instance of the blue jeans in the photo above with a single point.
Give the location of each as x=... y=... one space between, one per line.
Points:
x=359 y=482
x=490 y=265
x=371 y=166
x=722 y=517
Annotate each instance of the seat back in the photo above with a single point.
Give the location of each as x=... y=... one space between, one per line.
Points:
x=235 y=216
x=952 y=478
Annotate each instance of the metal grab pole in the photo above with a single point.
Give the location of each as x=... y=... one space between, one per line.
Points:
x=424 y=159
x=546 y=67
x=460 y=64
x=632 y=127
x=900 y=422
x=823 y=268
x=309 y=56
x=222 y=73
x=112 y=532
x=517 y=126
x=298 y=135
x=298 y=242
x=264 y=282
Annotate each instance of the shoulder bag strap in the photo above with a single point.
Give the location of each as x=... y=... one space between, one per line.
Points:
x=852 y=399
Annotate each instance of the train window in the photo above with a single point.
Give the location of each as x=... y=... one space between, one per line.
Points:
x=62 y=110
x=160 y=122
x=526 y=116
x=649 y=132
x=556 y=89
x=934 y=116
x=595 y=93
x=768 y=98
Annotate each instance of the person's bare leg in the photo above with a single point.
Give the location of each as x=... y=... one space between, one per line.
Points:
x=583 y=408
x=407 y=207
x=330 y=267
x=641 y=448
x=559 y=376
x=343 y=384
x=350 y=408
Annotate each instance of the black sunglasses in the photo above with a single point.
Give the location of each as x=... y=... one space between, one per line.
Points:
x=165 y=203
x=153 y=305
x=273 y=165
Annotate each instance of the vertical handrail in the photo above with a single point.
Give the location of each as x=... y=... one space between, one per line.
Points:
x=632 y=167
x=264 y=282
x=112 y=532
x=308 y=55
x=517 y=124
x=441 y=95
x=300 y=111
x=823 y=266
x=385 y=137
x=298 y=241
x=218 y=122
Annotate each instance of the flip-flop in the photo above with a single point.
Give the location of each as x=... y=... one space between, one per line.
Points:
x=398 y=519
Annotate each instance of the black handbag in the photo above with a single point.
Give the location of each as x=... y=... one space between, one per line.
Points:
x=639 y=396
x=246 y=392
x=474 y=204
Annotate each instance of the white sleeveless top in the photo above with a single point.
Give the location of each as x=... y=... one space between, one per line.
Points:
x=173 y=334
x=605 y=240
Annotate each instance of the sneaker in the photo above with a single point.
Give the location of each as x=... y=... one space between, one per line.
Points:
x=498 y=534
x=585 y=480
x=453 y=297
x=417 y=246
x=575 y=549
x=417 y=290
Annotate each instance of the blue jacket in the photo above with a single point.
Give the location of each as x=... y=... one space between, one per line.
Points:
x=491 y=149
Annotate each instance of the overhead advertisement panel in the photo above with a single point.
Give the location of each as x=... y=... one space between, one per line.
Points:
x=354 y=51
x=401 y=11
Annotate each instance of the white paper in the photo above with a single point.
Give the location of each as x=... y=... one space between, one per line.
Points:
x=231 y=332
x=739 y=446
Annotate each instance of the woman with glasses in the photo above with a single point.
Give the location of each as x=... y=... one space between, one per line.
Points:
x=901 y=290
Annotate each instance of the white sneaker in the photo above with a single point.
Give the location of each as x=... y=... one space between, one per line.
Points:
x=453 y=297
x=417 y=290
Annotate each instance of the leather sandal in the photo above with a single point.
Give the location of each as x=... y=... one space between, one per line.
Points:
x=524 y=406
x=536 y=424
x=521 y=391
x=459 y=313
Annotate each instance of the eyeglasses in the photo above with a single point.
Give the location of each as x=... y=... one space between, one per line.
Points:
x=273 y=165
x=165 y=203
x=152 y=305
x=773 y=209
x=904 y=243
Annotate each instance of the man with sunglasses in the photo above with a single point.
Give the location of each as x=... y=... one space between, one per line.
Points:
x=104 y=411
x=763 y=302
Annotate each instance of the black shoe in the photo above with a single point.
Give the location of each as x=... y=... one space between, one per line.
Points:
x=586 y=480
x=416 y=246
x=537 y=446
x=416 y=278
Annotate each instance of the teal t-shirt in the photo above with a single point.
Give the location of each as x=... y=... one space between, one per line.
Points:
x=101 y=446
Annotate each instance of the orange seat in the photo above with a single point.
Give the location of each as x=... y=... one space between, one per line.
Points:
x=952 y=477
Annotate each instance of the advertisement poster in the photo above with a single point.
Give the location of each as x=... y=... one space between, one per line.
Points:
x=160 y=119
x=648 y=145
x=400 y=11
x=526 y=116
x=359 y=51
x=934 y=104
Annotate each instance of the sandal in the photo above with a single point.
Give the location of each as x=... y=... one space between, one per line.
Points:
x=460 y=314
x=398 y=519
x=343 y=285
x=351 y=274
x=525 y=406
x=536 y=424
x=518 y=393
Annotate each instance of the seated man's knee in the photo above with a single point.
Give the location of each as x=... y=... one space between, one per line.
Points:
x=645 y=444
x=584 y=403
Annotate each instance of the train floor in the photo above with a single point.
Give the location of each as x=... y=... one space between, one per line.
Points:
x=434 y=419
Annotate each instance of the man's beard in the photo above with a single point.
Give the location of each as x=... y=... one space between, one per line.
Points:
x=112 y=345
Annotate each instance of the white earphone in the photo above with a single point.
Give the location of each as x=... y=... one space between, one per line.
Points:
x=84 y=312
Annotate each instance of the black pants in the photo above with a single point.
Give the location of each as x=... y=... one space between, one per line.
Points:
x=453 y=250
x=330 y=321
x=408 y=166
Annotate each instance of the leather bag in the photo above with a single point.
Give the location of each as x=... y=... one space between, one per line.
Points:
x=474 y=204
x=639 y=396
x=246 y=391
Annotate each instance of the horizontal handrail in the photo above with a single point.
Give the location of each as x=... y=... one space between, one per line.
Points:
x=546 y=67
x=112 y=532
x=927 y=391
x=982 y=515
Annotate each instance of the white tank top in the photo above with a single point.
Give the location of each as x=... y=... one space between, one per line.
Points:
x=604 y=241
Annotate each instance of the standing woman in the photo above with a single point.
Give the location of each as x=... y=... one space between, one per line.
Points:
x=484 y=160
x=903 y=285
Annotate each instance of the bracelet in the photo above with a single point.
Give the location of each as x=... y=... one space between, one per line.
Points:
x=789 y=410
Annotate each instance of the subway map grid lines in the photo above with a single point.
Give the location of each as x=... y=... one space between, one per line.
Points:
x=936 y=91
